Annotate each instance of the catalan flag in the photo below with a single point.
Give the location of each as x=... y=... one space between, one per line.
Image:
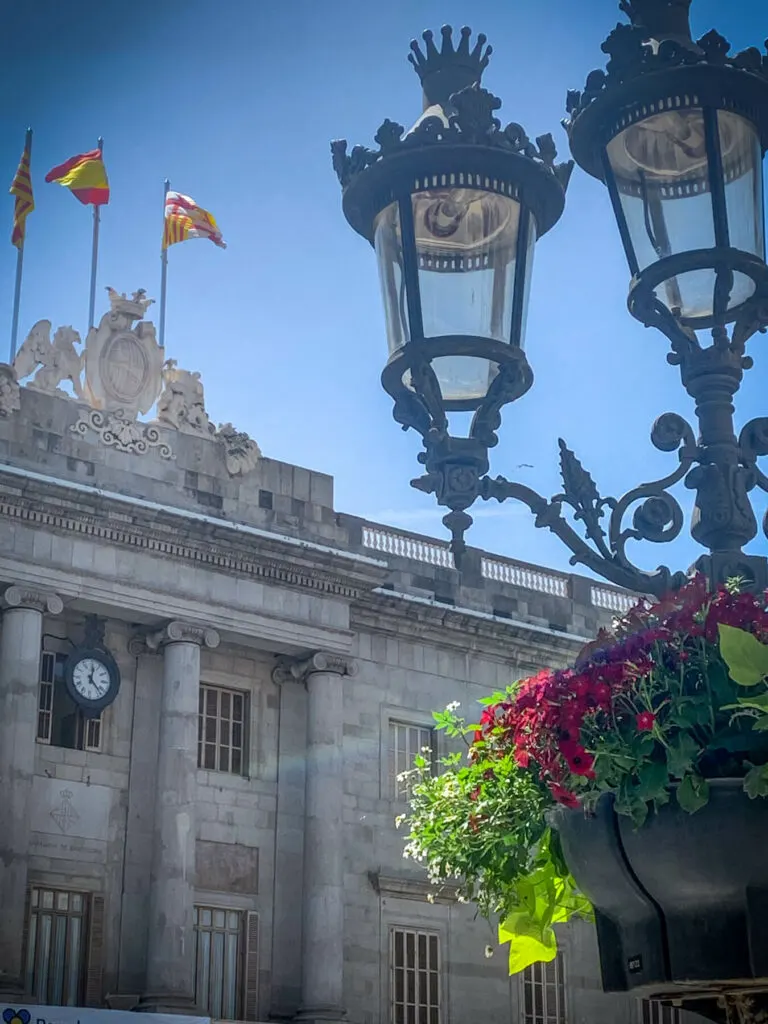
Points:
x=185 y=219
x=85 y=176
x=21 y=189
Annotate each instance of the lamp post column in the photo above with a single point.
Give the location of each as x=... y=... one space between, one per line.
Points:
x=20 y=647
x=170 y=984
x=323 y=915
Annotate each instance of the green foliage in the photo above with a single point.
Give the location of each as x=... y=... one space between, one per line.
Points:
x=745 y=656
x=480 y=823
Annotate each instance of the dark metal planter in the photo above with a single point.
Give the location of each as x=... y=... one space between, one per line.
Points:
x=681 y=903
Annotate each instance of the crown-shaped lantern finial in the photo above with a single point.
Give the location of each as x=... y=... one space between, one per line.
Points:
x=450 y=69
x=661 y=19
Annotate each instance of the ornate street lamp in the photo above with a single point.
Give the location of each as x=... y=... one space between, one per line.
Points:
x=454 y=208
x=677 y=130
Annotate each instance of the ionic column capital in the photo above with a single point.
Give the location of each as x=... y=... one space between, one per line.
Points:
x=174 y=632
x=296 y=670
x=20 y=596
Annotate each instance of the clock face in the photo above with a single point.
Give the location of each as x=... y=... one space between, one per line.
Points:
x=91 y=678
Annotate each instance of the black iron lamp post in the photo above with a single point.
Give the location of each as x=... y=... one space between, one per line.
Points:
x=677 y=130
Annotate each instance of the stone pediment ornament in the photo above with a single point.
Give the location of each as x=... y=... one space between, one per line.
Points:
x=123 y=362
x=54 y=360
x=182 y=403
x=10 y=400
x=240 y=451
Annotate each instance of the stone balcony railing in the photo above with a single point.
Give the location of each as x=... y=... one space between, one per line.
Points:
x=495 y=569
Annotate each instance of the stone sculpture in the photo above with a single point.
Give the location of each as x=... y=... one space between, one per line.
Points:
x=10 y=400
x=57 y=360
x=240 y=451
x=182 y=403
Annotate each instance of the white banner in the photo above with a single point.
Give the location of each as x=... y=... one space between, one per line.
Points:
x=16 y=1013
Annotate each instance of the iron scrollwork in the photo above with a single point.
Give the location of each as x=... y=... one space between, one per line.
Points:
x=658 y=519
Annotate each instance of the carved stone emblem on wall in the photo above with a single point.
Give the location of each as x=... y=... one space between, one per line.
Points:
x=125 y=373
x=123 y=363
x=240 y=451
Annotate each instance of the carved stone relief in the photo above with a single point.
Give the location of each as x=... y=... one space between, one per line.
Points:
x=120 y=374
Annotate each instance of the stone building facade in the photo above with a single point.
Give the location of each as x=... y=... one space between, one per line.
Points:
x=220 y=839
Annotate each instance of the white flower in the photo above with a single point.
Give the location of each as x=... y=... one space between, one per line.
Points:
x=488 y=952
x=430 y=897
x=453 y=706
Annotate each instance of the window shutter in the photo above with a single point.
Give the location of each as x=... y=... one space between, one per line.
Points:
x=251 y=972
x=95 y=960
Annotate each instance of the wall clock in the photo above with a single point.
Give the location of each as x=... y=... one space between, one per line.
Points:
x=91 y=675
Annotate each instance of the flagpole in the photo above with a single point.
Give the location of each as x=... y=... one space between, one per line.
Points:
x=19 y=266
x=95 y=252
x=164 y=270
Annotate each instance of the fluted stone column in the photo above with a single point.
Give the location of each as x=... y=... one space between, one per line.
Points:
x=170 y=984
x=323 y=903
x=20 y=645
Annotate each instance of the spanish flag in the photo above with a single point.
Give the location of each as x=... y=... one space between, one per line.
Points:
x=185 y=219
x=85 y=176
x=21 y=188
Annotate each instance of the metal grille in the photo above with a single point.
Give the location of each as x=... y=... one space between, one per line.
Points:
x=655 y=1013
x=56 y=946
x=221 y=730
x=414 y=967
x=87 y=733
x=405 y=742
x=544 y=993
x=219 y=958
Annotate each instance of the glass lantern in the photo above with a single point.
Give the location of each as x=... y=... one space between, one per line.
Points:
x=471 y=252
x=686 y=181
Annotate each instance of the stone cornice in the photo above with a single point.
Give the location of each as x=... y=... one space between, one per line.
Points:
x=463 y=630
x=296 y=670
x=404 y=888
x=28 y=597
x=172 y=535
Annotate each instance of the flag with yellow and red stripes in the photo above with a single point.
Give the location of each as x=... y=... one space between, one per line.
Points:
x=185 y=219
x=21 y=189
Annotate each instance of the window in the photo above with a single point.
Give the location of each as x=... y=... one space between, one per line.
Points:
x=56 y=947
x=219 y=958
x=655 y=1013
x=414 y=968
x=222 y=730
x=60 y=722
x=405 y=742
x=544 y=993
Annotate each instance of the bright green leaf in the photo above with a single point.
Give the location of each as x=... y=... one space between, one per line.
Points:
x=756 y=782
x=761 y=724
x=693 y=793
x=745 y=656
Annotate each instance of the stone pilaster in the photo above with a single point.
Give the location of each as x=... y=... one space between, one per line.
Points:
x=170 y=984
x=322 y=973
x=20 y=645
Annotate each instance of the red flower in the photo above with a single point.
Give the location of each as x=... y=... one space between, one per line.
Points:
x=645 y=721
x=579 y=760
x=564 y=796
x=522 y=758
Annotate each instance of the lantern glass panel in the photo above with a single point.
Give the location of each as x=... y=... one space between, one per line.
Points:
x=466 y=249
x=389 y=255
x=743 y=173
x=662 y=176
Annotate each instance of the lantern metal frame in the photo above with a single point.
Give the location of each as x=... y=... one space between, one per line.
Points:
x=651 y=60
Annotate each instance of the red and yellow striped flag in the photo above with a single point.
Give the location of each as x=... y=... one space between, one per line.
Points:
x=85 y=176
x=21 y=188
x=185 y=219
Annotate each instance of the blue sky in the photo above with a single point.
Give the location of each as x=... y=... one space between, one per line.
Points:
x=236 y=103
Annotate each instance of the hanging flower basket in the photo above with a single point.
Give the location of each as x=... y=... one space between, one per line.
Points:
x=631 y=785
